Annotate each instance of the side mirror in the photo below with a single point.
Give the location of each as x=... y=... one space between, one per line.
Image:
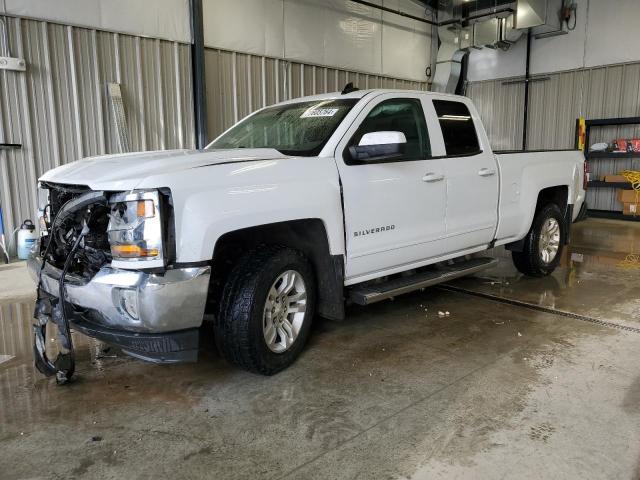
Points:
x=378 y=146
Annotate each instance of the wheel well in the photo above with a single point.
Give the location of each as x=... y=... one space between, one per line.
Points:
x=308 y=236
x=558 y=195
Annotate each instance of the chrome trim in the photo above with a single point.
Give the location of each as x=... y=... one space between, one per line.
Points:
x=133 y=195
x=168 y=301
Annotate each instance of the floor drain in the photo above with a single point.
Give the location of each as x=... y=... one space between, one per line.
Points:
x=538 y=308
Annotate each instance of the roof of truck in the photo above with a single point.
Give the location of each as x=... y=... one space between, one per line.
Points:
x=362 y=93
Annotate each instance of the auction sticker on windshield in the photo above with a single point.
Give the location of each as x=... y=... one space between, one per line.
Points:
x=319 y=112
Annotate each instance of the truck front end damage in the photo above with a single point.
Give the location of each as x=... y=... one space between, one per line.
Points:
x=105 y=268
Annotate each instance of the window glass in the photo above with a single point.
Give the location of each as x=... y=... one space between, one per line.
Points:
x=457 y=126
x=301 y=128
x=398 y=115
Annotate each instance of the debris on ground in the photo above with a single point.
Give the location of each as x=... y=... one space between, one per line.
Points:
x=447 y=313
x=96 y=438
x=519 y=334
x=441 y=314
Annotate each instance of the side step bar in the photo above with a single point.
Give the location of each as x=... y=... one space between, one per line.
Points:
x=366 y=294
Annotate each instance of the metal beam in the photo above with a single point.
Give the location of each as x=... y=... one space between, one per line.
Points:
x=527 y=80
x=391 y=10
x=197 y=67
x=436 y=24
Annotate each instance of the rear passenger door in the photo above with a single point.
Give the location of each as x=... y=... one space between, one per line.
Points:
x=394 y=209
x=471 y=175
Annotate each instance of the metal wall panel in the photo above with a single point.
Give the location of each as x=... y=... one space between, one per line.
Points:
x=339 y=33
x=501 y=109
x=555 y=101
x=58 y=109
x=239 y=83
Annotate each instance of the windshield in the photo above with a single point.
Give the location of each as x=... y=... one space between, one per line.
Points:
x=293 y=129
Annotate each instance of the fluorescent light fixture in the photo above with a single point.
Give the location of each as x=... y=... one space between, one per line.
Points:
x=460 y=118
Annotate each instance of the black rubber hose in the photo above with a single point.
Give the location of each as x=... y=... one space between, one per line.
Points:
x=61 y=293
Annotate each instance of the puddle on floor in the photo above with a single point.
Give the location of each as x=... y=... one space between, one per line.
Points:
x=105 y=377
x=598 y=275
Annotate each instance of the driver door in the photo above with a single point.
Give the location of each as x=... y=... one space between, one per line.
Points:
x=394 y=209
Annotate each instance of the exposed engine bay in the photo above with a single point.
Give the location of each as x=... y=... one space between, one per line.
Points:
x=76 y=241
x=91 y=211
x=85 y=231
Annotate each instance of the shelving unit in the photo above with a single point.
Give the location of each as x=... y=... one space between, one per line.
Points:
x=594 y=156
x=602 y=184
x=613 y=154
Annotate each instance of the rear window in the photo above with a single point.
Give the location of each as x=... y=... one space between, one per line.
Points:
x=457 y=126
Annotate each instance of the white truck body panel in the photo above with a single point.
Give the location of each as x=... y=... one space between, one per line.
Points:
x=523 y=176
x=439 y=207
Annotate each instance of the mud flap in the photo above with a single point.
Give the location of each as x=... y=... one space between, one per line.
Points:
x=50 y=310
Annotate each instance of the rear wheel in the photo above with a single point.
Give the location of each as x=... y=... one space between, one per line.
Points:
x=266 y=310
x=543 y=244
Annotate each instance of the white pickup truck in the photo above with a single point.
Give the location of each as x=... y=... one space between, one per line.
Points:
x=290 y=213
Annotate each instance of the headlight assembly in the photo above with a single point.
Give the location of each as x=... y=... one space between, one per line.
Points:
x=135 y=228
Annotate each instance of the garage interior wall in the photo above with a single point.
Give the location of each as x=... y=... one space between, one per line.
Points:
x=591 y=72
x=238 y=84
x=335 y=33
x=555 y=102
x=59 y=110
x=260 y=52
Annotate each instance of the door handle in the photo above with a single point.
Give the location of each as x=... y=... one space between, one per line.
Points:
x=485 y=172
x=432 y=177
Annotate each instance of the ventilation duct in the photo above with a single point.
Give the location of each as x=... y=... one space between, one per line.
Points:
x=488 y=27
x=454 y=46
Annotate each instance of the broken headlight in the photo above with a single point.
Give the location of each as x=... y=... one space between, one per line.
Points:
x=135 y=228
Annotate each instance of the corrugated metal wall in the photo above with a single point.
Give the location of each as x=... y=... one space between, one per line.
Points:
x=238 y=84
x=59 y=110
x=555 y=101
x=500 y=106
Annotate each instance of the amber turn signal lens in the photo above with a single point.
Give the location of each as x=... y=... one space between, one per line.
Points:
x=133 y=251
x=145 y=209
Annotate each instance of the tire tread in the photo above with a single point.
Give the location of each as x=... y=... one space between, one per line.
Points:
x=528 y=261
x=233 y=323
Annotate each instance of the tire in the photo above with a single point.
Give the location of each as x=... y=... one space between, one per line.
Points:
x=239 y=327
x=531 y=261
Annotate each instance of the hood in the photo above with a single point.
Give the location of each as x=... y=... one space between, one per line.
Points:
x=126 y=171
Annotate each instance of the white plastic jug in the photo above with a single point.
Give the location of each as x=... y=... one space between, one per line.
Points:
x=27 y=237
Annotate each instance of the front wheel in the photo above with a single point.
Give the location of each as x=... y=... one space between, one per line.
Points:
x=266 y=310
x=543 y=244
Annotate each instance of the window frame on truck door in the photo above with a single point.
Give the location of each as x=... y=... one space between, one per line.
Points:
x=445 y=123
x=421 y=124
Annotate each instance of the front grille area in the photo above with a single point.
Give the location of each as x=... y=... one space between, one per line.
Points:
x=93 y=251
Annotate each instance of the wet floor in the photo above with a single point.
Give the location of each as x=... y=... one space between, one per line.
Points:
x=600 y=275
x=395 y=391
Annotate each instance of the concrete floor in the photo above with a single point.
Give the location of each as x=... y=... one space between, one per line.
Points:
x=491 y=391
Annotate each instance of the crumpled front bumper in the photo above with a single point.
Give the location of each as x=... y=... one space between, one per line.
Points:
x=170 y=308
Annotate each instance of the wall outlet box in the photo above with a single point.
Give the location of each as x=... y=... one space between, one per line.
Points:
x=11 y=63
